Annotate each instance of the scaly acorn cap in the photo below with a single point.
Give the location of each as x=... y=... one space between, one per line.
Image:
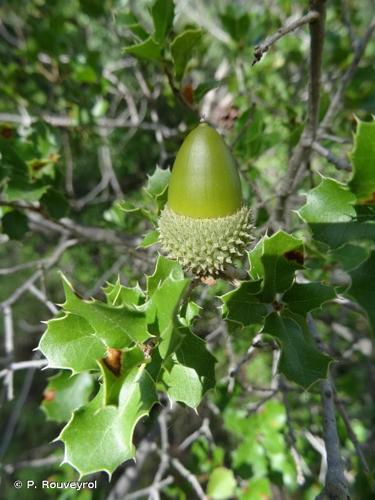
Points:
x=204 y=224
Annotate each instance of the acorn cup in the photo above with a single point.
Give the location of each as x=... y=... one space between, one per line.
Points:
x=204 y=224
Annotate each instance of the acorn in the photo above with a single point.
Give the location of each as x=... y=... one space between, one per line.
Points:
x=204 y=225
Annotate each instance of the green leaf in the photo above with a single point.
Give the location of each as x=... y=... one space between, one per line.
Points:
x=221 y=484
x=99 y=438
x=55 y=204
x=162 y=15
x=65 y=393
x=162 y=310
x=120 y=295
x=182 y=48
x=330 y=202
x=257 y=488
x=192 y=372
x=117 y=327
x=304 y=297
x=150 y=239
x=157 y=183
x=362 y=287
x=163 y=269
x=147 y=49
x=242 y=304
x=350 y=256
x=14 y=224
x=70 y=342
x=300 y=361
x=363 y=158
x=281 y=255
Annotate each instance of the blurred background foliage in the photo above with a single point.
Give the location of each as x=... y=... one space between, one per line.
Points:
x=91 y=123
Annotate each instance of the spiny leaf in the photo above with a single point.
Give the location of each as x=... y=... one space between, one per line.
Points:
x=118 y=327
x=65 y=393
x=275 y=260
x=192 y=371
x=242 y=304
x=329 y=202
x=98 y=437
x=120 y=295
x=300 y=361
x=70 y=342
x=162 y=15
x=147 y=49
x=162 y=309
x=181 y=49
x=362 y=287
x=163 y=269
x=304 y=297
x=363 y=159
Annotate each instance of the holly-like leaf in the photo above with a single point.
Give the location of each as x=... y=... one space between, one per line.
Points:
x=120 y=295
x=150 y=239
x=157 y=183
x=304 y=297
x=70 y=342
x=362 y=287
x=117 y=327
x=98 y=437
x=350 y=256
x=337 y=234
x=65 y=393
x=192 y=371
x=276 y=260
x=363 y=158
x=147 y=49
x=242 y=304
x=221 y=484
x=162 y=15
x=162 y=310
x=182 y=48
x=163 y=269
x=300 y=361
x=329 y=202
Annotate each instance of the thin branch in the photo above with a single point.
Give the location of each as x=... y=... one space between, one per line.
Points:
x=145 y=492
x=346 y=78
x=339 y=163
x=190 y=478
x=336 y=484
x=9 y=348
x=351 y=434
x=64 y=121
x=59 y=250
x=261 y=49
x=302 y=151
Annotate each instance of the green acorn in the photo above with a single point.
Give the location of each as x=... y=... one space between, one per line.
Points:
x=204 y=224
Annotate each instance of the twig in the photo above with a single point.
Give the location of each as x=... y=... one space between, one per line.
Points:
x=190 y=478
x=340 y=163
x=59 y=250
x=261 y=49
x=345 y=79
x=302 y=151
x=9 y=348
x=24 y=365
x=291 y=434
x=351 y=434
x=336 y=485
x=145 y=492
